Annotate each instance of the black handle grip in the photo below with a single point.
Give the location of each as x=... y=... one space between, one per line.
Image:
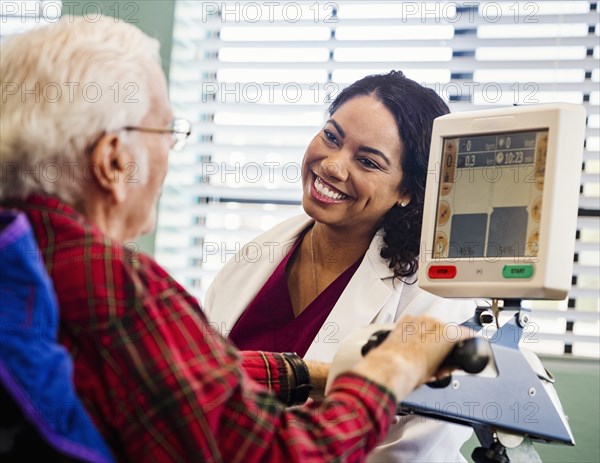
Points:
x=471 y=355
x=374 y=340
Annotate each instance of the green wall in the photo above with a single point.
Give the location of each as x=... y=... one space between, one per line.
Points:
x=154 y=17
x=578 y=387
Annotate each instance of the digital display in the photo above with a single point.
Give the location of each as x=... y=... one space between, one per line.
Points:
x=490 y=195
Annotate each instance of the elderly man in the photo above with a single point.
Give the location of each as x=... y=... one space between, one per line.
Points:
x=85 y=133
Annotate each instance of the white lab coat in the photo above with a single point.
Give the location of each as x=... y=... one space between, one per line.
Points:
x=371 y=296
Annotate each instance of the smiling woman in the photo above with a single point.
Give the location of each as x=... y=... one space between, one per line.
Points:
x=352 y=258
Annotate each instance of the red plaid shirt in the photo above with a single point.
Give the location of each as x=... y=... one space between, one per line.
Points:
x=161 y=385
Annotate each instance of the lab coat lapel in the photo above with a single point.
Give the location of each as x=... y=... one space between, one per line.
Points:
x=256 y=262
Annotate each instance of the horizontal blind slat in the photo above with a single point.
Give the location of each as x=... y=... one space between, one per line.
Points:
x=212 y=24
x=459 y=43
x=457 y=64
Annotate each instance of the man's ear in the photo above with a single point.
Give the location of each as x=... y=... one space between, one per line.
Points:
x=108 y=160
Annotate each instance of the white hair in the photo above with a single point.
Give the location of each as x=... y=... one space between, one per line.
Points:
x=63 y=86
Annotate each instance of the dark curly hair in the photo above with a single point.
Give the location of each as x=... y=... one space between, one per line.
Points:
x=414 y=107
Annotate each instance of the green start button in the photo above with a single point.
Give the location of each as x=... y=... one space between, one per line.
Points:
x=517 y=271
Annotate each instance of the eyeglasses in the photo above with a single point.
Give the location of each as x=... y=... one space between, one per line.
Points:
x=180 y=130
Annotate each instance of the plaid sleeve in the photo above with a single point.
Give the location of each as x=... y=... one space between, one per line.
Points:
x=268 y=369
x=180 y=392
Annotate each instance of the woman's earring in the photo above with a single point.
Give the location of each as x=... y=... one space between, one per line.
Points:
x=404 y=204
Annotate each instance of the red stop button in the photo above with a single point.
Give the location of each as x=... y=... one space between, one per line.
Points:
x=441 y=271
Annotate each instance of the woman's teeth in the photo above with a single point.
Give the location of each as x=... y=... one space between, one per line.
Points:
x=324 y=191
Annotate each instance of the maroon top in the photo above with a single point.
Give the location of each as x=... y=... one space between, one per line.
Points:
x=269 y=322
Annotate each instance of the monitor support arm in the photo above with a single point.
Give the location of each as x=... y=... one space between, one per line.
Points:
x=509 y=404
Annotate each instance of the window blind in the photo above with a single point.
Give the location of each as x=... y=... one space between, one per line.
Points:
x=255 y=79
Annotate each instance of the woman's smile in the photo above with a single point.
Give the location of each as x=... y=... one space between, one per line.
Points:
x=325 y=192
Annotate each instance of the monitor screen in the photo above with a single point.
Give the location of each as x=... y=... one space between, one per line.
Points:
x=490 y=195
x=501 y=200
